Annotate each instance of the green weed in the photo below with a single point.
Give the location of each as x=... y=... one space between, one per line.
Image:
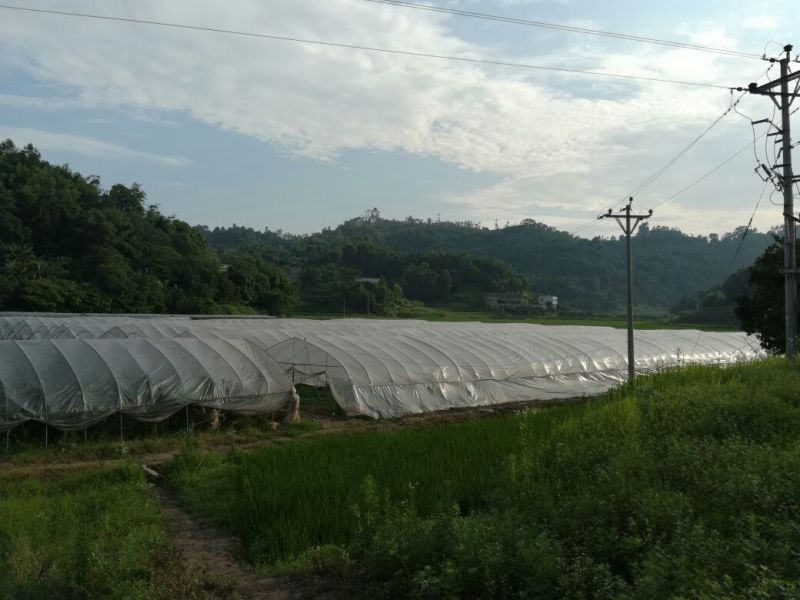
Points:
x=684 y=485
x=92 y=534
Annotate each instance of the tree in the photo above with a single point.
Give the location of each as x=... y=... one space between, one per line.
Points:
x=66 y=244
x=761 y=309
x=260 y=284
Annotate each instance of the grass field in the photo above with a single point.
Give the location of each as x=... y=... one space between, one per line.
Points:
x=292 y=498
x=689 y=487
x=95 y=534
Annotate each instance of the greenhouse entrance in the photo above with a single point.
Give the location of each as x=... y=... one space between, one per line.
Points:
x=311 y=371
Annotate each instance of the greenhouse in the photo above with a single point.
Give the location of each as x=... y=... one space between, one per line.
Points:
x=74 y=383
x=71 y=371
x=449 y=365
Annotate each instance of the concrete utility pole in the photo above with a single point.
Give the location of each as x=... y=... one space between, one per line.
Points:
x=628 y=227
x=785 y=182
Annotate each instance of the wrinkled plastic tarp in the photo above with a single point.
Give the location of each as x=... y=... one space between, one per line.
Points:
x=378 y=368
x=74 y=383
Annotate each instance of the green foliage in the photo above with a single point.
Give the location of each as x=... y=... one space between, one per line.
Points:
x=459 y=262
x=716 y=304
x=329 y=263
x=288 y=499
x=69 y=245
x=685 y=487
x=88 y=535
x=66 y=244
x=260 y=284
x=761 y=309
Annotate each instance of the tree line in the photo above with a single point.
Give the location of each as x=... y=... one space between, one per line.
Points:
x=586 y=274
x=69 y=244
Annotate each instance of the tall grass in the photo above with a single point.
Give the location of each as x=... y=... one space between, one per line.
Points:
x=93 y=534
x=687 y=486
x=284 y=500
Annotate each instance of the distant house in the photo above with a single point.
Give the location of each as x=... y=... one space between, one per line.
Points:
x=547 y=302
x=507 y=302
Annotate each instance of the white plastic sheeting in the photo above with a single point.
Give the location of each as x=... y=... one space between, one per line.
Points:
x=71 y=383
x=378 y=368
x=34 y=326
x=416 y=369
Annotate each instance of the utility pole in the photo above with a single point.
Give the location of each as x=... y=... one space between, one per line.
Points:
x=785 y=182
x=628 y=227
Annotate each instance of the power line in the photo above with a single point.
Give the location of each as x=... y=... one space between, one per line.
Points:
x=677 y=157
x=736 y=252
x=708 y=174
x=568 y=28
x=365 y=48
x=747 y=228
x=688 y=187
x=646 y=183
x=671 y=162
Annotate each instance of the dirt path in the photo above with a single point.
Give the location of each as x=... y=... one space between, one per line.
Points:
x=212 y=554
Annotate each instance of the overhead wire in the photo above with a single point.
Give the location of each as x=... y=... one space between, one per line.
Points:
x=686 y=188
x=758 y=202
x=753 y=127
x=732 y=107
x=738 y=248
x=567 y=28
x=442 y=57
x=706 y=175
x=464 y=59
x=647 y=182
x=747 y=228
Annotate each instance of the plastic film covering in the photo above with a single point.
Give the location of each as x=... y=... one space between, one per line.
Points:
x=389 y=372
x=47 y=327
x=388 y=368
x=74 y=383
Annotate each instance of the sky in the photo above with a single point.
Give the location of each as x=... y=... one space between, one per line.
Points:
x=223 y=130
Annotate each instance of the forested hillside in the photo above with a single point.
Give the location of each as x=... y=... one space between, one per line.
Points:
x=585 y=274
x=327 y=265
x=67 y=244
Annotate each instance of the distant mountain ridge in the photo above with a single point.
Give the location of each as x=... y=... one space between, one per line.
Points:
x=585 y=274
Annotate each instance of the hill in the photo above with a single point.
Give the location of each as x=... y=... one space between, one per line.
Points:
x=67 y=244
x=585 y=274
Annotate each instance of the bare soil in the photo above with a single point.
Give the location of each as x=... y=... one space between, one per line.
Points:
x=211 y=554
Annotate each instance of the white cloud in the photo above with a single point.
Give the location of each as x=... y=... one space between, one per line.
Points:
x=39 y=103
x=760 y=22
x=87 y=146
x=559 y=142
x=318 y=101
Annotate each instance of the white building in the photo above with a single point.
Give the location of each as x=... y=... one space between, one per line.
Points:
x=546 y=301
